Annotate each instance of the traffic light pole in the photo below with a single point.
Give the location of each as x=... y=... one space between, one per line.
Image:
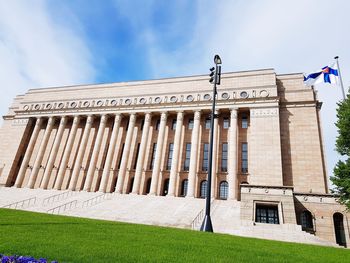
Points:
x=207 y=224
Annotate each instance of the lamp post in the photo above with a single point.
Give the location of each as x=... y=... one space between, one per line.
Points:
x=215 y=76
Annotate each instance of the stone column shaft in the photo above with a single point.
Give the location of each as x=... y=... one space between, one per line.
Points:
x=176 y=152
x=194 y=155
x=81 y=152
x=28 y=153
x=215 y=156
x=110 y=153
x=232 y=156
x=95 y=153
x=41 y=152
x=157 y=159
x=141 y=156
x=67 y=153
x=53 y=153
x=126 y=152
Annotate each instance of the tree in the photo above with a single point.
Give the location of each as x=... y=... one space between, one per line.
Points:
x=341 y=178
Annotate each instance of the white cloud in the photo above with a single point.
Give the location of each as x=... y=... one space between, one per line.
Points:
x=35 y=51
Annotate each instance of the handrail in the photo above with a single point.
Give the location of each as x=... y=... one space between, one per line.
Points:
x=198 y=219
x=21 y=204
x=95 y=200
x=64 y=207
x=57 y=197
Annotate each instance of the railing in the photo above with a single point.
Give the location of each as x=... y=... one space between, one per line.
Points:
x=95 y=200
x=198 y=219
x=22 y=204
x=57 y=197
x=64 y=207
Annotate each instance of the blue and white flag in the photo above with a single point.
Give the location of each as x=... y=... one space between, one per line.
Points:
x=328 y=74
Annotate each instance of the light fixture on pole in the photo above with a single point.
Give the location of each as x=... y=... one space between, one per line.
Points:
x=215 y=78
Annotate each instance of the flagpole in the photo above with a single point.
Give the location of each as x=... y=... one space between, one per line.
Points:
x=341 y=80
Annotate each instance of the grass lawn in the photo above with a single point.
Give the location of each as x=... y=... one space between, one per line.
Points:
x=69 y=239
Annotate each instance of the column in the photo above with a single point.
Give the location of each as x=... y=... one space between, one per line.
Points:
x=66 y=154
x=28 y=153
x=110 y=153
x=95 y=153
x=157 y=159
x=125 y=157
x=41 y=152
x=176 y=151
x=194 y=155
x=81 y=152
x=142 y=151
x=53 y=153
x=215 y=156
x=232 y=156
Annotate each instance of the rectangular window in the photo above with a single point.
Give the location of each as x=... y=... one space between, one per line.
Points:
x=207 y=124
x=142 y=124
x=127 y=125
x=224 y=157
x=205 y=157
x=190 y=124
x=226 y=123
x=153 y=155
x=266 y=214
x=137 y=155
x=157 y=125
x=170 y=156
x=173 y=125
x=244 y=121
x=121 y=156
x=187 y=157
x=244 y=157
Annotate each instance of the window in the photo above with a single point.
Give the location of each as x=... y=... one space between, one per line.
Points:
x=244 y=121
x=266 y=214
x=157 y=125
x=244 y=157
x=203 y=192
x=184 y=187
x=223 y=190
x=148 y=185
x=187 y=157
x=306 y=220
x=142 y=124
x=153 y=156
x=226 y=123
x=127 y=125
x=131 y=185
x=121 y=156
x=165 y=187
x=224 y=157
x=137 y=155
x=207 y=124
x=205 y=163
x=170 y=156
x=190 y=124
x=173 y=125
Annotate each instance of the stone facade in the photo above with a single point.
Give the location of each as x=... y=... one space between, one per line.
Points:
x=151 y=137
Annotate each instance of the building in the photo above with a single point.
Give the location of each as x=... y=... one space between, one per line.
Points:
x=151 y=138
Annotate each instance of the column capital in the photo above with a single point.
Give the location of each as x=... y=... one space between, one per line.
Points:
x=118 y=117
x=89 y=119
x=148 y=116
x=163 y=115
x=104 y=118
x=51 y=120
x=180 y=115
x=63 y=120
x=197 y=115
x=233 y=112
x=76 y=119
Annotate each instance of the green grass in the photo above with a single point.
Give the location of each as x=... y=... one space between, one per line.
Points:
x=69 y=239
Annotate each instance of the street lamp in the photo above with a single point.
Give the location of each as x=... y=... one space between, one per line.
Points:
x=215 y=77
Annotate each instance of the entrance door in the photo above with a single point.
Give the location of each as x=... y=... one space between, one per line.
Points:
x=165 y=187
x=339 y=229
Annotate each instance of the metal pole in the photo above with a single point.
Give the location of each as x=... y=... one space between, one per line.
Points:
x=207 y=225
x=341 y=80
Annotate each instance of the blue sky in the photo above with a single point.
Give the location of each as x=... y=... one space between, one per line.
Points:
x=68 y=42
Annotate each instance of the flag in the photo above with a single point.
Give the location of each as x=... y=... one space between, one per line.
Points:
x=328 y=74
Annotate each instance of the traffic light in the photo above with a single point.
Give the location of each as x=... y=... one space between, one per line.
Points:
x=212 y=74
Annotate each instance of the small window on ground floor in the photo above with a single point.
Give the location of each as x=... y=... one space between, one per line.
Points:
x=266 y=213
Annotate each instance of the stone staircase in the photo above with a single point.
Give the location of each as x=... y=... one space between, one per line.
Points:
x=152 y=210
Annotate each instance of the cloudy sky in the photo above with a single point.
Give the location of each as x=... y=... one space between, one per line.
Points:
x=55 y=43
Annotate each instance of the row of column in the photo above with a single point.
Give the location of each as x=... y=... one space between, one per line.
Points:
x=136 y=189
